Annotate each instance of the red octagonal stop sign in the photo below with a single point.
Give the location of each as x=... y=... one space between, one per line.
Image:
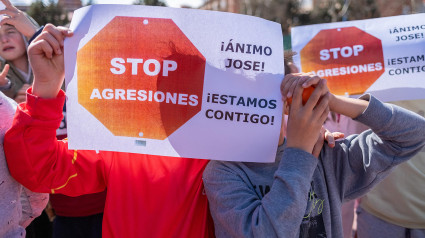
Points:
x=349 y=58
x=141 y=77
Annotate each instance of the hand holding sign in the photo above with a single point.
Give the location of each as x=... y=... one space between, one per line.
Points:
x=47 y=62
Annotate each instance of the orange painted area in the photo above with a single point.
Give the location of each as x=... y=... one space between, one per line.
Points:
x=350 y=59
x=121 y=104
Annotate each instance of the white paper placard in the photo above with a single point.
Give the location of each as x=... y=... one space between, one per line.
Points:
x=383 y=56
x=174 y=82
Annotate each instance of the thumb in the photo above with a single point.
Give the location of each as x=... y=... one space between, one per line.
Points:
x=330 y=138
x=3 y=74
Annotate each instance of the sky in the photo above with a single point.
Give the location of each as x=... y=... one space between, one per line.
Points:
x=170 y=3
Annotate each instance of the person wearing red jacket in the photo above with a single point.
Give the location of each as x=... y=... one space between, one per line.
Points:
x=148 y=196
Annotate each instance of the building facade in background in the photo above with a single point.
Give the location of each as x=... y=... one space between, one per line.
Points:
x=69 y=6
x=384 y=7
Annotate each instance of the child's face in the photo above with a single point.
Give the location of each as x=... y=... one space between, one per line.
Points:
x=12 y=45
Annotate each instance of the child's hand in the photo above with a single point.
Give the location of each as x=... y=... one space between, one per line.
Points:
x=329 y=137
x=46 y=58
x=307 y=120
x=291 y=80
x=18 y=19
x=3 y=74
x=21 y=96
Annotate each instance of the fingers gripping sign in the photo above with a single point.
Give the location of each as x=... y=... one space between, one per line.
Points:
x=47 y=61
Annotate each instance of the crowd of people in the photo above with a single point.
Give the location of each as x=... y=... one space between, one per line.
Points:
x=312 y=189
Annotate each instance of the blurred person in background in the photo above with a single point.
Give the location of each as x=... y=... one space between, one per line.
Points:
x=18 y=205
x=15 y=31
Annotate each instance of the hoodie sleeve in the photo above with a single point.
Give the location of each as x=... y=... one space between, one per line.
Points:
x=356 y=164
x=40 y=162
x=237 y=209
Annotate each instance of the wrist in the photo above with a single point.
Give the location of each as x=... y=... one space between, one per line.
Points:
x=45 y=89
x=36 y=33
x=30 y=32
x=332 y=102
x=300 y=147
x=29 y=25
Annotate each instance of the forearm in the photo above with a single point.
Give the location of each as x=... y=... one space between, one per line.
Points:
x=31 y=147
x=29 y=27
x=347 y=106
x=40 y=162
x=396 y=135
x=285 y=205
x=239 y=211
x=29 y=30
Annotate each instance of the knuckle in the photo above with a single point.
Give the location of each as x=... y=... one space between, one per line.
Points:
x=49 y=26
x=43 y=34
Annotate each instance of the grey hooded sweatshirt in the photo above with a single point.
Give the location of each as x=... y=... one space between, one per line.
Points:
x=18 y=205
x=301 y=196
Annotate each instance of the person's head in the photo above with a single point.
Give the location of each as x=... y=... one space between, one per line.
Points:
x=12 y=44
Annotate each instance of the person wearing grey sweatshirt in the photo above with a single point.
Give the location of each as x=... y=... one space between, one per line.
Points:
x=300 y=195
x=18 y=205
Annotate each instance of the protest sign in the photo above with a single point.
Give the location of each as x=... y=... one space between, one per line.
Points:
x=174 y=82
x=383 y=56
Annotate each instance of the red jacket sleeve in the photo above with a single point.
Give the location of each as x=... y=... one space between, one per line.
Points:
x=40 y=162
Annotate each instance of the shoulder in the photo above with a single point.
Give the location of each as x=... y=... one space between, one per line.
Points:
x=228 y=170
x=220 y=167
